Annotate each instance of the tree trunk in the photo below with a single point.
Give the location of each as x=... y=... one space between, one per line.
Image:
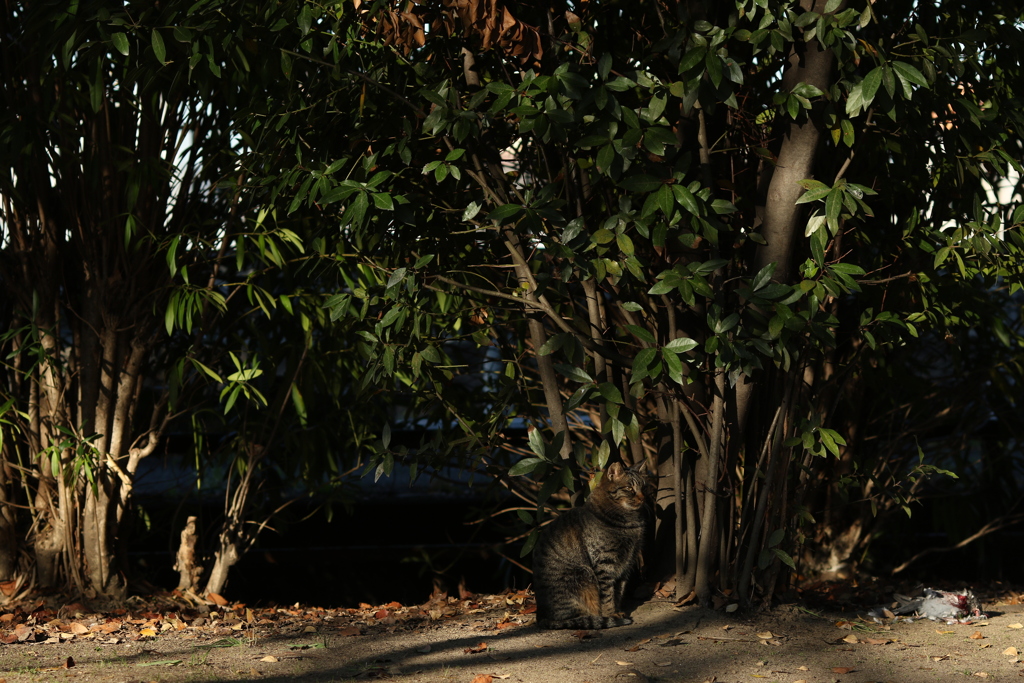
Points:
x=186 y=563
x=808 y=63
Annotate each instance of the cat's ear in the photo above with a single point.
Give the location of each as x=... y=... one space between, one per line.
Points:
x=615 y=472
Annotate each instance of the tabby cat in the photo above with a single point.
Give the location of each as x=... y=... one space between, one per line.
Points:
x=582 y=559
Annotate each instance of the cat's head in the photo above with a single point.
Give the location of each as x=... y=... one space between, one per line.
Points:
x=624 y=487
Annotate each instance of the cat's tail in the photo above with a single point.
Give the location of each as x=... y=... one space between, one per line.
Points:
x=585 y=622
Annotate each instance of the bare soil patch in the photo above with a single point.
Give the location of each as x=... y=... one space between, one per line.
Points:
x=484 y=639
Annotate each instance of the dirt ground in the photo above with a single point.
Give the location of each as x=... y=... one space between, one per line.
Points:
x=484 y=639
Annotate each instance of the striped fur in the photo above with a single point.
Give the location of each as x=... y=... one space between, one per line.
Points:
x=583 y=558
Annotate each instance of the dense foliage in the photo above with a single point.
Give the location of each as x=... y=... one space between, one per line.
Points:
x=716 y=238
x=772 y=249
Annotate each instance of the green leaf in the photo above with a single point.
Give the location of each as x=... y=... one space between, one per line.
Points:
x=764 y=276
x=503 y=213
x=855 y=101
x=870 y=85
x=525 y=466
x=692 y=58
x=574 y=373
x=807 y=90
x=833 y=205
x=641 y=363
x=786 y=559
x=305 y=19
x=909 y=74
x=641 y=333
x=396 y=277
x=686 y=200
x=120 y=41
x=681 y=345
x=158 y=46
x=640 y=182
x=610 y=392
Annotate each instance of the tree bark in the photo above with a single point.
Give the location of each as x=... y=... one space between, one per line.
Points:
x=808 y=63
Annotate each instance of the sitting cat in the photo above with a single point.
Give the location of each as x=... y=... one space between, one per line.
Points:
x=582 y=559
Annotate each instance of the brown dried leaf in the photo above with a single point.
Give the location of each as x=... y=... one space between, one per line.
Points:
x=1011 y=651
x=1017 y=625
x=216 y=599
x=842 y=669
x=270 y=658
x=473 y=650
x=78 y=628
x=483 y=678
x=852 y=639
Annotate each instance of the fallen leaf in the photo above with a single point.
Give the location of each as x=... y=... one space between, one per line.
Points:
x=733 y=607
x=78 y=628
x=381 y=614
x=216 y=599
x=1012 y=651
x=944 y=633
x=69 y=663
x=984 y=645
x=976 y=636
x=622 y=663
x=473 y=650
x=1017 y=625
x=852 y=639
x=765 y=635
x=483 y=678
x=147 y=632
x=663 y=664
x=802 y=668
x=23 y=632
x=981 y=674
x=270 y=658
x=162 y=662
x=350 y=631
x=842 y=669
x=939 y=658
